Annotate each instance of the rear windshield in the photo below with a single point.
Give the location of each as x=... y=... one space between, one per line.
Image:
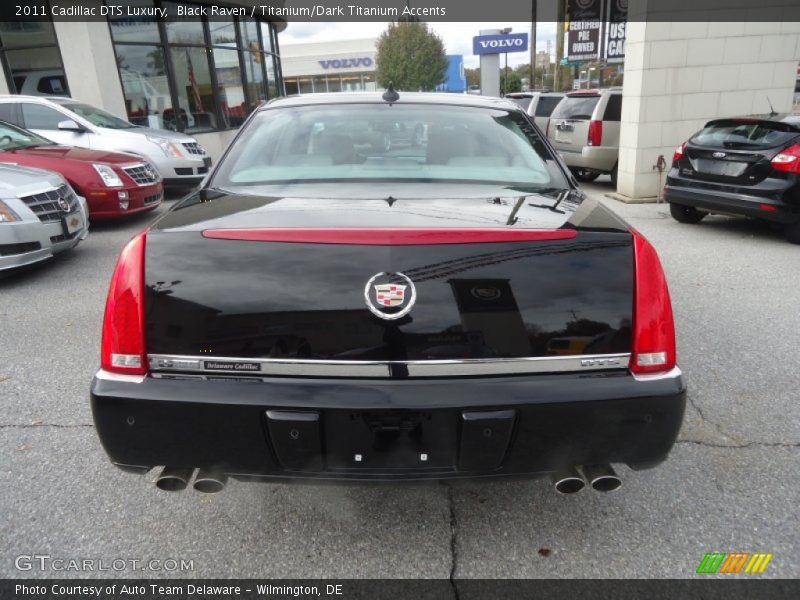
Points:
x=546 y=105
x=524 y=101
x=382 y=142
x=744 y=134
x=576 y=107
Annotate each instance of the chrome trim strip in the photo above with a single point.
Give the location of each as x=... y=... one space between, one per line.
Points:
x=166 y=363
x=673 y=373
x=108 y=376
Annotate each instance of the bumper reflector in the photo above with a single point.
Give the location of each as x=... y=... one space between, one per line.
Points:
x=126 y=360
x=651 y=359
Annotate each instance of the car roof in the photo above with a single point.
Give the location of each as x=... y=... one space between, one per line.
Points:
x=788 y=118
x=594 y=92
x=442 y=99
x=43 y=99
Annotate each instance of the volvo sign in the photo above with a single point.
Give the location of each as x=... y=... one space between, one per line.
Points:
x=346 y=63
x=500 y=44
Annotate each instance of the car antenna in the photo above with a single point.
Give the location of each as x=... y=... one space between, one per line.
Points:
x=390 y=95
x=772 y=112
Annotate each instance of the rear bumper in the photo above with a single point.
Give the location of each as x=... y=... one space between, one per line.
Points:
x=730 y=203
x=349 y=429
x=597 y=158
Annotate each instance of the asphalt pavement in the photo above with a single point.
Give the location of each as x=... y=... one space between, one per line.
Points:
x=730 y=484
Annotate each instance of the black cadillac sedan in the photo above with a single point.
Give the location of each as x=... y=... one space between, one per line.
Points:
x=746 y=166
x=328 y=306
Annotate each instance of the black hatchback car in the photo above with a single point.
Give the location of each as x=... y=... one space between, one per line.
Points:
x=748 y=166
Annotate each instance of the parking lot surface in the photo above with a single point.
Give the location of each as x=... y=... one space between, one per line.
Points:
x=730 y=484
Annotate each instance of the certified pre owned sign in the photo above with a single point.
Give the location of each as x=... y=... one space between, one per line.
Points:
x=500 y=44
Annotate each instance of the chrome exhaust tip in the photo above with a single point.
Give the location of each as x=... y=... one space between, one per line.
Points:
x=210 y=481
x=602 y=478
x=568 y=481
x=173 y=479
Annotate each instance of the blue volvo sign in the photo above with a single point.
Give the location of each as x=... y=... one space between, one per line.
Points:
x=499 y=43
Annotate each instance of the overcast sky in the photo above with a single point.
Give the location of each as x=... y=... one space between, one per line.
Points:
x=457 y=37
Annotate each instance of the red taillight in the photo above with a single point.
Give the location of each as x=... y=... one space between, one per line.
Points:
x=653 y=325
x=595 y=133
x=788 y=160
x=123 y=325
x=678 y=153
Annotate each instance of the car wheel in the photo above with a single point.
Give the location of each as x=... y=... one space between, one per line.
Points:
x=585 y=175
x=614 y=176
x=792 y=232
x=686 y=214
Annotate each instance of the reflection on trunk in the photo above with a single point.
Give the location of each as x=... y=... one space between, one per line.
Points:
x=305 y=301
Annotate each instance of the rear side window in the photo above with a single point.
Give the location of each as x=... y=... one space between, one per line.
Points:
x=576 y=107
x=8 y=114
x=524 y=102
x=745 y=134
x=52 y=85
x=37 y=116
x=613 y=108
x=546 y=105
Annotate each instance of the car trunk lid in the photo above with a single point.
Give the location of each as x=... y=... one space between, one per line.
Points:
x=237 y=278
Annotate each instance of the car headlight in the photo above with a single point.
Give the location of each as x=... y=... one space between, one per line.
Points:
x=167 y=147
x=109 y=177
x=6 y=214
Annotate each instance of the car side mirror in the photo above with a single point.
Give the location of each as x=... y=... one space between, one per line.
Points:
x=70 y=125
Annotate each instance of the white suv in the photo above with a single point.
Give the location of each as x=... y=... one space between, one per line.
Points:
x=181 y=161
x=539 y=105
x=584 y=128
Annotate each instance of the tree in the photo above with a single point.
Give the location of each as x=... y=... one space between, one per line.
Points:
x=509 y=82
x=410 y=56
x=473 y=76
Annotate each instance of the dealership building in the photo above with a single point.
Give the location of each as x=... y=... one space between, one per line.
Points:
x=347 y=66
x=195 y=75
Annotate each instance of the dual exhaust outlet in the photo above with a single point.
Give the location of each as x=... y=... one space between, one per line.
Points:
x=602 y=478
x=176 y=479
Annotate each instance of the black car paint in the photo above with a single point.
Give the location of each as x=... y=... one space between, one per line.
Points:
x=310 y=428
x=282 y=300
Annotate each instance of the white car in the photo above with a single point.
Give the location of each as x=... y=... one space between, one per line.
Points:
x=181 y=161
x=40 y=216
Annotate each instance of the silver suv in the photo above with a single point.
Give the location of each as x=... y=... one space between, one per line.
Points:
x=539 y=105
x=40 y=215
x=584 y=128
x=181 y=161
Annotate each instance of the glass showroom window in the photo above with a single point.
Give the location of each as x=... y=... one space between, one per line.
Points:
x=193 y=74
x=31 y=58
x=196 y=103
